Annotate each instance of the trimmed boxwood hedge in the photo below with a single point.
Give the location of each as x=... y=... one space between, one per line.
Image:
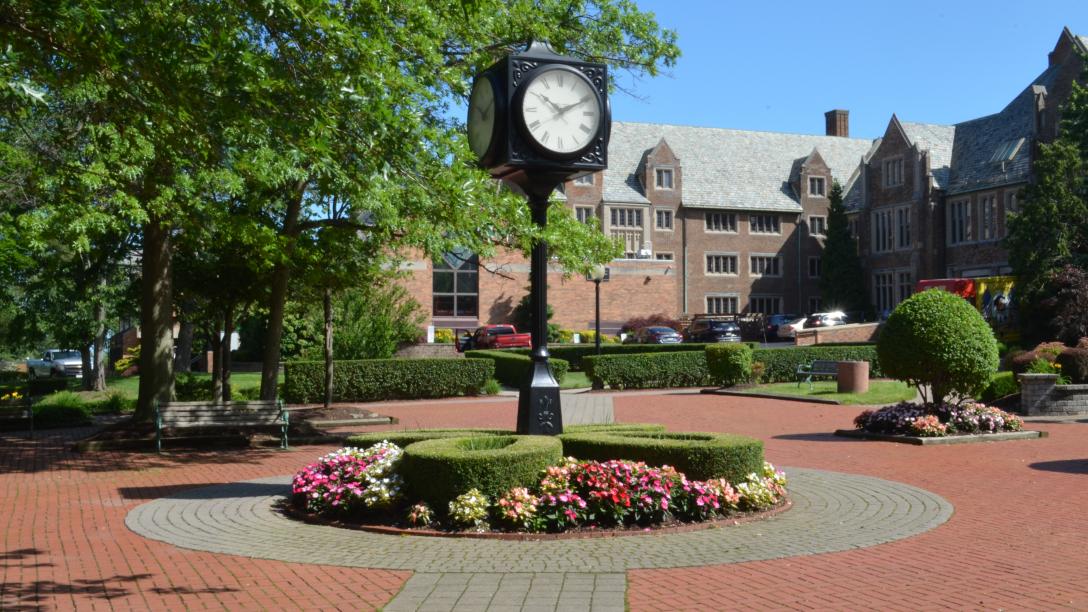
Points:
x=780 y=365
x=403 y=438
x=574 y=353
x=698 y=455
x=729 y=364
x=511 y=369
x=381 y=379
x=649 y=370
x=439 y=470
x=615 y=428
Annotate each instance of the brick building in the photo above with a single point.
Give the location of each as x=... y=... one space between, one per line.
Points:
x=730 y=221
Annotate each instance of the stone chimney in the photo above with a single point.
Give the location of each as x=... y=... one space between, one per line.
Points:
x=838 y=123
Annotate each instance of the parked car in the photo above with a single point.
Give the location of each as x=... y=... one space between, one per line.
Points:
x=709 y=330
x=826 y=319
x=495 y=337
x=56 y=363
x=789 y=330
x=655 y=335
x=776 y=321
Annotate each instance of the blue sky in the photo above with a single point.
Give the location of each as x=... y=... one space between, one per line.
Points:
x=778 y=65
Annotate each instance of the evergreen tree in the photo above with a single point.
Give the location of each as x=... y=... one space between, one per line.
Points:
x=842 y=282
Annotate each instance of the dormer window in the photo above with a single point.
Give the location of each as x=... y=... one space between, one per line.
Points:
x=584 y=180
x=663 y=178
x=816 y=187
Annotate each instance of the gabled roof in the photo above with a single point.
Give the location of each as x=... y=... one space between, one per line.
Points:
x=938 y=140
x=725 y=169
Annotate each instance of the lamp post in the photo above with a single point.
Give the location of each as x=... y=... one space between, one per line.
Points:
x=597 y=274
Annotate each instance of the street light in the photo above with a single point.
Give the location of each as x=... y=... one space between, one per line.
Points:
x=598 y=274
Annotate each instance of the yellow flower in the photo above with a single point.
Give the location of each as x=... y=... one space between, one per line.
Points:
x=1058 y=366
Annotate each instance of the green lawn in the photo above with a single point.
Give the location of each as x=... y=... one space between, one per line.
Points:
x=880 y=391
x=130 y=386
x=576 y=380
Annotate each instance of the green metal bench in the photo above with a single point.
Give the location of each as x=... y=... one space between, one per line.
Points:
x=819 y=367
x=182 y=415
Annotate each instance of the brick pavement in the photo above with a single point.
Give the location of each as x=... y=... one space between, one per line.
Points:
x=1016 y=540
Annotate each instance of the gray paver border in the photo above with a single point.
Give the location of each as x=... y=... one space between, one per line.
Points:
x=920 y=441
x=831 y=512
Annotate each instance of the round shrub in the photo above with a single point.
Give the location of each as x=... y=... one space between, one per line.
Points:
x=729 y=364
x=1001 y=384
x=63 y=409
x=938 y=339
x=439 y=470
x=700 y=456
x=410 y=436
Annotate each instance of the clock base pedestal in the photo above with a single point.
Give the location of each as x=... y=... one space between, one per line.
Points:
x=539 y=411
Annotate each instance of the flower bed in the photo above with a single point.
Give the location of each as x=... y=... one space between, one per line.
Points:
x=941 y=420
x=365 y=485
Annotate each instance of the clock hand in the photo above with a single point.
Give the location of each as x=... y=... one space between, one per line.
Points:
x=546 y=100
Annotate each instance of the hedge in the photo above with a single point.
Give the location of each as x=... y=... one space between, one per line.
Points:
x=437 y=471
x=615 y=428
x=573 y=353
x=404 y=437
x=729 y=364
x=1001 y=384
x=780 y=365
x=698 y=455
x=649 y=370
x=511 y=369
x=380 y=379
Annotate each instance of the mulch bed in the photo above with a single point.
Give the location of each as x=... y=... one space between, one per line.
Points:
x=288 y=509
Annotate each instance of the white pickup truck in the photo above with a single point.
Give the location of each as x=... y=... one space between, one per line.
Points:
x=56 y=363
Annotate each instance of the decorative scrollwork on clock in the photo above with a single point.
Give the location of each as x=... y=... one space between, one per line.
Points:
x=595 y=154
x=520 y=68
x=545 y=416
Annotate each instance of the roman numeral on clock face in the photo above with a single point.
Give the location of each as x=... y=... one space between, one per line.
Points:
x=545 y=137
x=534 y=125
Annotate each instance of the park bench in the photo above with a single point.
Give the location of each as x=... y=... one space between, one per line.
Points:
x=18 y=412
x=182 y=415
x=819 y=367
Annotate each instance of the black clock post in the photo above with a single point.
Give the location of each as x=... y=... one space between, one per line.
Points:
x=537 y=119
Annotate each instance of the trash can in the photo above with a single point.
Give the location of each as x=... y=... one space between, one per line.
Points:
x=853 y=376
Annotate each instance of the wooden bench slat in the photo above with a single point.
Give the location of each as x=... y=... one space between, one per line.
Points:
x=181 y=415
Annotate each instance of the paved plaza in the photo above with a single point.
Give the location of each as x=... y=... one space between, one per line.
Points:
x=874 y=525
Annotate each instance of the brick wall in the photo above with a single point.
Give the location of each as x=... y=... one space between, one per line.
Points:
x=860 y=332
x=1040 y=394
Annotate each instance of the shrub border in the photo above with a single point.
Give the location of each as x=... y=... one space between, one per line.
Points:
x=699 y=459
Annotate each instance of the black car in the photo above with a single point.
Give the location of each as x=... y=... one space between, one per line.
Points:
x=657 y=335
x=774 y=321
x=713 y=331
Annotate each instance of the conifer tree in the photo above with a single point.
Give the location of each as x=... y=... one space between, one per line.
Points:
x=842 y=282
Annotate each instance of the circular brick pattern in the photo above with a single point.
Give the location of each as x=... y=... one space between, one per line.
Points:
x=831 y=512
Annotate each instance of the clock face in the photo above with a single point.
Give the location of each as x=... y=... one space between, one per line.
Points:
x=481 y=116
x=560 y=111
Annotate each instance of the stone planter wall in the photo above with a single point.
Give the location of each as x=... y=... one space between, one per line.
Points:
x=1040 y=394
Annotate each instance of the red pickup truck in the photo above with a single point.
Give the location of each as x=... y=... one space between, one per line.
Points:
x=496 y=337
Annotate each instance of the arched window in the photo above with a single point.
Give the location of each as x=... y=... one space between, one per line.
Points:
x=456 y=285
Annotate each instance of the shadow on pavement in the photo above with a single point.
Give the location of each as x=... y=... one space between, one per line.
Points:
x=210 y=490
x=1067 y=466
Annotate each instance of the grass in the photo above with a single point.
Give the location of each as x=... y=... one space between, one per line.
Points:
x=576 y=380
x=880 y=391
x=130 y=386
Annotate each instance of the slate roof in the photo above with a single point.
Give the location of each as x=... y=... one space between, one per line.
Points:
x=725 y=169
x=938 y=140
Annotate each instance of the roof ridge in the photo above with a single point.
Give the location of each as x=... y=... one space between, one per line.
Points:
x=740 y=131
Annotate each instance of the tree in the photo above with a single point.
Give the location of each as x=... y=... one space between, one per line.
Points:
x=1050 y=230
x=842 y=281
x=938 y=342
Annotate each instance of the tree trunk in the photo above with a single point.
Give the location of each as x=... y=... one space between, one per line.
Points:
x=281 y=275
x=86 y=366
x=156 y=320
x=217 y=363
x=183 y=361
x=228 y=331
x=100 y=349
x=328 y=348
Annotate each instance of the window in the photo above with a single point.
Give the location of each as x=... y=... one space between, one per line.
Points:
x=987 y=205
x=902 y=228
x=455 y=285
x=721 y=304
x=717 y=263
x=663 y=178
x=815 y=304
x=816 y=186
x=584 y=213
x=1010 y=203
x=663 y=256
x=882 y=288
x=763 y=224
x=959 y=222
x=893 y=172
x=721 y=222
x=905 y=286
x=765 y=265
x=854 y=228
x=664 y=219
x=627 y=217
x=764 y=304
x=815 y=267
x=584 y=180
x=817 y=226
x=882 y=231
